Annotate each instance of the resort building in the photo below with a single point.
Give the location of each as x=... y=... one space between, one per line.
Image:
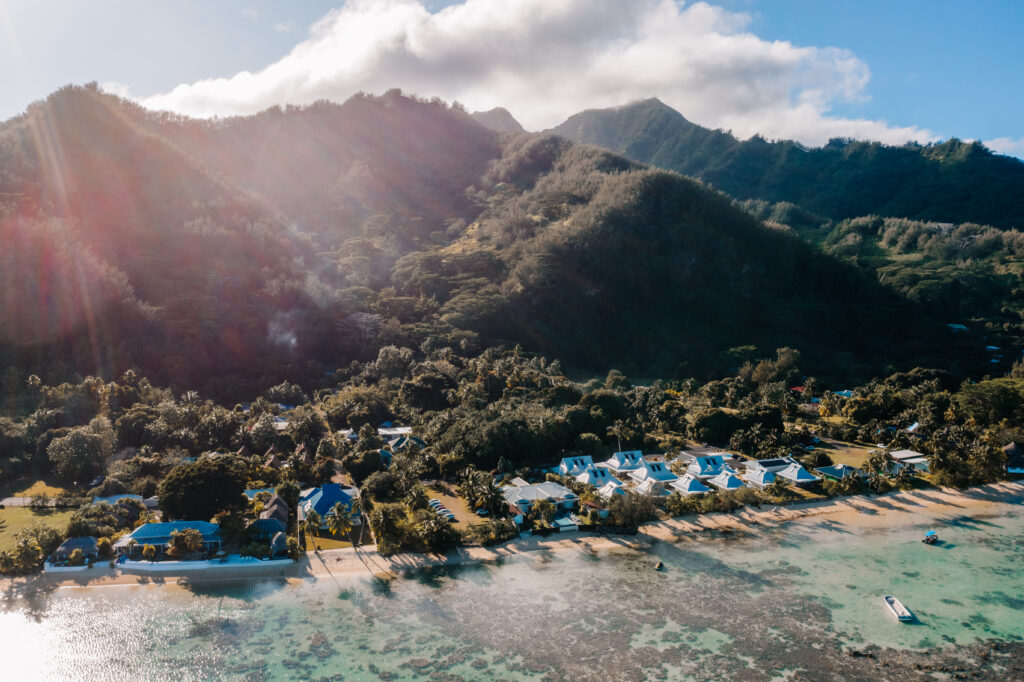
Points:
x=159 y=536
x=264 y=530
x=322 y=501
x=574 y=466
x=622 y=462
x=276 y=508
x=758 y=478
x=726 y=480
x=689 y=485
x=652 y=471
x=797 y=475
x=708 y=466
x=521 y=495
x=389 y=431
x=610 y=490
x=838 y=472
x=597 y=476
x=404 y=442
x=87 y=544
x=911 y=459
x=774 y=465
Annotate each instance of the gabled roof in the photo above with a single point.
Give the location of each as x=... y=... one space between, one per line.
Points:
x=796 y=473
x=726 y=481
x=267 y=526
x=689 y=485
x=707 y=465
x=322 y=499
x=627 y=460
x=840 y=471
x=596 y=476
x=760 y=477
x=900 y=455
x=653 y=471
x=402 y=442
x=573 y=466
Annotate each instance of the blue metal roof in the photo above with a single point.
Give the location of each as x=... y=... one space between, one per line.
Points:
x=326 y=496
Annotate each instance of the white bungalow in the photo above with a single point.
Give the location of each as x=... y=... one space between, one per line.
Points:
x=651 y=488
x=911 y=459
x=522 y=495
x=652 y=471
x=708 y=466
x=726 y=481
x=597 y=476
x=689 y=485
x=574 y=466
x=610 y=490
x=759 y=478
x=797 y=475
x=629 y=460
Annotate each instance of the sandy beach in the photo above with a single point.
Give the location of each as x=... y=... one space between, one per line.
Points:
x=886 y=511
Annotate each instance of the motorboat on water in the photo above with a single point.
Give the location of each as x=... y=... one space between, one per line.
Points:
x=930 y=538
x=901 y=612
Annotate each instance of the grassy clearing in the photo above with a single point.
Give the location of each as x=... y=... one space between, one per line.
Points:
x=27 y=487
x=463 y=516
x=13 y=519
x=327 y=542
x=851 y=454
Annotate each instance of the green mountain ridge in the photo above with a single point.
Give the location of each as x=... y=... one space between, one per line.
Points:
x=951 y=181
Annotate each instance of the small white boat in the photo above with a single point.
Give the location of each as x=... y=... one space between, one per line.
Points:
x=901 y=612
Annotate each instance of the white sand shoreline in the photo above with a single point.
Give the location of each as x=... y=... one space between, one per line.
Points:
x=886 y=511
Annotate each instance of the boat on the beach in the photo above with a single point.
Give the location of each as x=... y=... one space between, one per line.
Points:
x=901 y=612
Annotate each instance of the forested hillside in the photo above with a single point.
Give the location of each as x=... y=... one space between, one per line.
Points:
x=953 y=181
x=229 y=255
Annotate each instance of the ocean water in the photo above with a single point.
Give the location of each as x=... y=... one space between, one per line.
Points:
x=798 y=601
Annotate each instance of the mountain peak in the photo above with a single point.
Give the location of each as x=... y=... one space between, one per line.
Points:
x=499 y=120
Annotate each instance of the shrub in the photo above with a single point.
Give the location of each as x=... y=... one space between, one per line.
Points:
x=76 y=558
x=104 y=548
x=148 y=552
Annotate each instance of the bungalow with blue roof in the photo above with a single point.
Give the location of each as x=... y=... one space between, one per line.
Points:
x=404 y=442
x=521 y=495
x=689 y=484
x=838 y=472
x=264 y=529
x=708 y=466
x=574 y=466
x=597 y=476
x=726 y=480
x=759 y=478
x=654 y=471
x=628 y=460
x=159 y=536
x=322 y=501
x=797 y=475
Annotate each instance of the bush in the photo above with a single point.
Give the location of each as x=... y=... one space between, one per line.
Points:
x=104 y=548
x=148 y=552
x=76 y=558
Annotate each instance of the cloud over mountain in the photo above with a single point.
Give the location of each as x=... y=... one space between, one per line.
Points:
x=547 y=59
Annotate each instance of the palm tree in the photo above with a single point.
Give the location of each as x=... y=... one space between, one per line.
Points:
x=310 y=524
x=544 y=509
x=338 y=522
x=616 y=430
x=903 y=478
x=877 y=462
x=417 y=498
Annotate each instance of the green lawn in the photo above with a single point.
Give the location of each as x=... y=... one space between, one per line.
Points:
x=851 y=454
x=27 y=487
x=326 y=542
x=13 y=519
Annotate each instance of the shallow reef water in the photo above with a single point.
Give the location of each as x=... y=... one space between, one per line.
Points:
x=800 y=601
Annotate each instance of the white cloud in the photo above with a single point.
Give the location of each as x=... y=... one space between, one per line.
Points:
x=1007 y=145
x=547 y=59
x=285 y=26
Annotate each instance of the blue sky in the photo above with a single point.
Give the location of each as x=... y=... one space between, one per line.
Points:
x=883 y=70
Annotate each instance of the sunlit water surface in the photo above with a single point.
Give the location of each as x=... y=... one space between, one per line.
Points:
x=787 y=602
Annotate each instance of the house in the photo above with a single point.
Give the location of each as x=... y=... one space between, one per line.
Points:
x=280 y=423
x=838 y=472
x=278 y=545
x=521 y=495
x=404 y=442
x=87 y=544
x=689 y=485
x=574 y=466
x=653 y=471
x=276 y=508
x=1014 y=458
x=622 y=462
x=773 y=465
x=759 y=478
x=159 y=536
x=389 y=432
x=707 y=466
x=911 y=459
x=596 y=476
x=114 y=499
x=264 y=530
x=797 y=475
x=611 y=489
x=726 y=480
x=565 y=524
x=251 y=493
x=846 y=393
x=651 y=488
x=273 y=462
x=322 y=501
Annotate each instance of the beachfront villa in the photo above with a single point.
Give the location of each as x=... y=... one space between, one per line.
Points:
x=264 y=530
x=838 y=472
x=597 y=476
x=406 y=442
x=622 y=462
x=797 y=475
x=159 y=536
x=610 y=490
x=87 y=544
x=574 y=466
x=726 y=480
x=521 y=495
x=276 y=508
x=758 y=478
x=708 y=466
x=911 y=459
x=323 y=498
x=689 y=484
x=652 y=471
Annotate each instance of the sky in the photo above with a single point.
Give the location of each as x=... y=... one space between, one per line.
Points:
x=799 y=69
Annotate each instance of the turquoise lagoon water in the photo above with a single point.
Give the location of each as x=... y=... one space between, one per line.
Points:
x=791 y=601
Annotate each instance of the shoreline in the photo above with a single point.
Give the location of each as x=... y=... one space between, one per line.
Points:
x=892 y=510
